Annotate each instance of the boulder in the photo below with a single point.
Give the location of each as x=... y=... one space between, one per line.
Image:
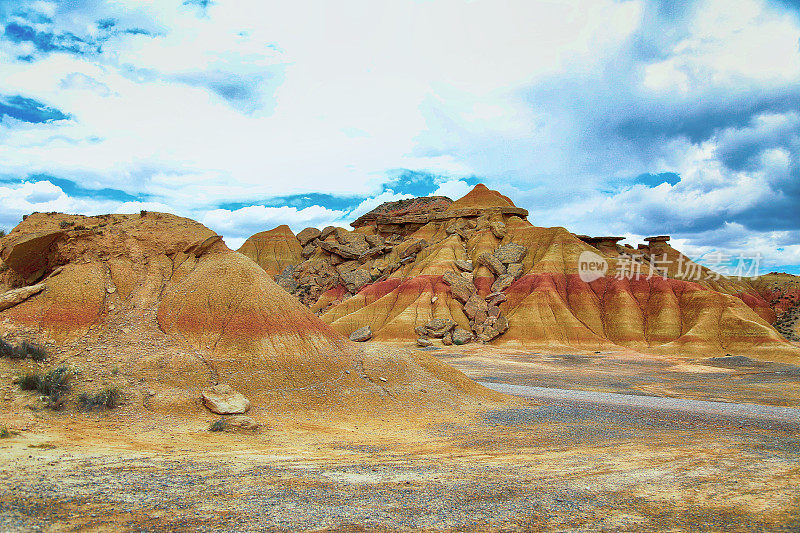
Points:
x=493 y=263
x=502 y=283
x=460 y=288
x=496 y=298
x=466 y=266
x=308 y=235
x=413 y=247
x=515 y=270
x=420 y=331
x=326 y=232
x=493 y=328
x=355 y=279
x=343 y=251
x=424 y=343
x=476 y=308
x=375 y=240
x=308 y=250
x=223 y=400
x=361 y=334
x=461 y=336
x=510 y=253
x=439 y=327
x=447 y=340
x=498 y=229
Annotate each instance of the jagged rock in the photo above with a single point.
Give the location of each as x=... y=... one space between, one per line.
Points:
x=14 y=297
x=461 y=336
x=466 y=266
x=510 y=253
x=424 y=343
x=29 y=254
x=496 y=298
x=493 y=263
x=372 y=252
x=493 y=328
x=439 y=327
x=223 y=400
x=353 y=241
x=361 y=334
x=412 y=248
x=420 y=331
x=447 y=340
x=460 y=288
x=355 y=279
x=515 y=270
x=375 y=240
x=308 y=235
x=476 y=308
x=502 y=283
x=339 y=249
x=326 y=232
x=493 y=311
x=498 y=229
x=287 y=280
x=347 y=266
x=308 y=250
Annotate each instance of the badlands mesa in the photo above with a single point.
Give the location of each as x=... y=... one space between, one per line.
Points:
x=353 y=379
x=476 y=270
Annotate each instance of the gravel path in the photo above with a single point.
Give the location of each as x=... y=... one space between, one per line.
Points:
x=697 y=407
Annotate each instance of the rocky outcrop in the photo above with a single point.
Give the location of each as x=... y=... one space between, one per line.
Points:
x=31 y=256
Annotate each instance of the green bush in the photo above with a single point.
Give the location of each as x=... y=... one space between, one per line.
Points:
x=217 y=425
x=109 y=397
x=5 y=433
x=2 y=233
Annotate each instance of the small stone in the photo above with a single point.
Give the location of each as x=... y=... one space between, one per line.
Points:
x=423 y=343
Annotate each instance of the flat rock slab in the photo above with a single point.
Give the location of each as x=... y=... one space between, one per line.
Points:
x=361 y=334
x=223 y=400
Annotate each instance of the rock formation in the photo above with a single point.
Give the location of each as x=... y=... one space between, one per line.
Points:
x=479 y=263
x=162 y=300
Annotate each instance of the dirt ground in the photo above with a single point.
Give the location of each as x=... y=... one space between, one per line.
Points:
x=514 y=465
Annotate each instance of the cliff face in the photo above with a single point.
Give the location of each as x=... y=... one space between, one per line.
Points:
x=477 y=270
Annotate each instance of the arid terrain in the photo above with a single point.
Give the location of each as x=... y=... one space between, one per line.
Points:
x=508 y=465
x=152 y=379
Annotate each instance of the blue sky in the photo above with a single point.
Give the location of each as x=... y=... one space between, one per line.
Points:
x=619 y=117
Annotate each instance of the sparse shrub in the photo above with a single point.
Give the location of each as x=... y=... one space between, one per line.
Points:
x=64 y=224
x=109 y=397
x=5 y=433
x=142 y=213
x=2 y=233
x=24 y=350
x=53 y=385
x=80 y=227
x=218 y=425
x=30 y=381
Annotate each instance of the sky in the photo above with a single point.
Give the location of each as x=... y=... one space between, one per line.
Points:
x=607 y=117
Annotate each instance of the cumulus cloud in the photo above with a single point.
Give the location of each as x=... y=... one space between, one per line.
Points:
x=635 y=117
